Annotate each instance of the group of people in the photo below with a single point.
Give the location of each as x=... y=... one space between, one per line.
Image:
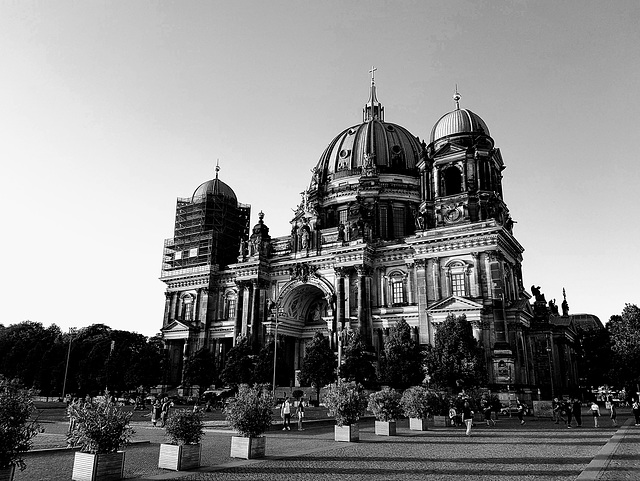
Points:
x=160 y=411
x=566 y=411
x=286 y=409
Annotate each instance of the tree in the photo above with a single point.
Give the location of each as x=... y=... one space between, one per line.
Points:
x=596 y=357
x=319 y=364
x=357 y=362
x=200 y=370
x=239 y=365
x=400 y=360
x=263 y=370
x=456 y=359
x=624 y=331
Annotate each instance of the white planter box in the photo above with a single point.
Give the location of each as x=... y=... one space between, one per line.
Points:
x=248 y=448
x=347 y=433
x=179 y=458
x=6 y=474
x=385 y=428
x=418 y=424
x=98 y=467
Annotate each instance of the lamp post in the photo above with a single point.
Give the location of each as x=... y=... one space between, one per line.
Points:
x=549 y=349
x=276 y=307
x=72 y=331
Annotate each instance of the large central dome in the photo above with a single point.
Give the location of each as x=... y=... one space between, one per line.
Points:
x=374 y=143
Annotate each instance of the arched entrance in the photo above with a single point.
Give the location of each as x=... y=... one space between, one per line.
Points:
x=305 y=308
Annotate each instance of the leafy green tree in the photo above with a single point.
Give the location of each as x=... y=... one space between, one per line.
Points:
x=400 y=360
x=594 y=365
x=263 y=371
x=200 y=370
x=24 y=347
x=319 y=364
x=357 y=361
x=456 y=360
x=239 y=365
x=624 y=331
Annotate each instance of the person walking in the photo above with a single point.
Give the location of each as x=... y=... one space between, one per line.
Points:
x=576 y=409
x=595 y=412
x=467 y=417
x=568 y=407
x=166 y=405
x=635 y=409
x=521 y=410
x=555 y=409
x=487 y=413
x=613 y=413
x=453 y=416
x=300 y=413
x=156 y=411
x=285 y=414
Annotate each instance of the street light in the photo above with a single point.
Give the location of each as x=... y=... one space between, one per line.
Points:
x=276 y=307
x=72 y=331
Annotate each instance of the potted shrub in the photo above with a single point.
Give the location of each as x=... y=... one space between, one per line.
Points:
x=441 y=403
x=16 y=427
x=184 y=429
x=249 y=412
x=101 y=430
x=385 y=406
x=418 y=404
x=346 y=402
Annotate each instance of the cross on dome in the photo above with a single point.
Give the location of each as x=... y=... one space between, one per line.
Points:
x=373 y=74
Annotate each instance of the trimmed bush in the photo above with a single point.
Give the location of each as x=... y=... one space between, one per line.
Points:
x=385 y=404
x=99 y=426
x=16 y=429
x=251 y=410
x=184 y=427
x=346 y=402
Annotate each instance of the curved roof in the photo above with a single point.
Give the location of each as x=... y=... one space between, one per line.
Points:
x=213 y=186
x=382 y=143
x=459 y=121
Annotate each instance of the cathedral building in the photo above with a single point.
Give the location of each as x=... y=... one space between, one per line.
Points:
x=390 y=227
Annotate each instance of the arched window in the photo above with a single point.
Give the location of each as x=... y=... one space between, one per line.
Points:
x=452 y=181
x=230 y=306
x=457 y=274
x=187 y=307
x=396 y=284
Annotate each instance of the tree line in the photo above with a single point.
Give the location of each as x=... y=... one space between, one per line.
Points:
x=122 y=361
x=99 y=358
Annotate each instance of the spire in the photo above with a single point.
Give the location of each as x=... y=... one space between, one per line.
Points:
x=456 y=98
x=215 y=184
x=373 y=109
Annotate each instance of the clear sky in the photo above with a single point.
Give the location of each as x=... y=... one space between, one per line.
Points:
x=109 y=111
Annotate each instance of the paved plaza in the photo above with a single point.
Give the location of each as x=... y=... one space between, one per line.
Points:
x=539 y=450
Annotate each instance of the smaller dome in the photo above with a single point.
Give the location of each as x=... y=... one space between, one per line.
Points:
x=459 y=121
x=214 y=186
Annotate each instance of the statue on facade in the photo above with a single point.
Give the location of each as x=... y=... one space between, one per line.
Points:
x=553 y=307
x=565 y=304
x=538 y=295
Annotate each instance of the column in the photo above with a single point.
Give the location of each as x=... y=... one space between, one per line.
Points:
x=246 y=309
x=410 y=283
x=422 y=300
x=179 y=308
x=167 y=308
x=436 y=181
x=436 y=279
x=383 y=291
x=174 y=302
x=256 y=324
x=476 y=274
x=340 y=312
x=196 y=307
x=239 y=312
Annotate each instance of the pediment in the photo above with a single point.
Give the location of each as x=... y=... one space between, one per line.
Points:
x=176 y=330
x=449 y=148
x=455 y=304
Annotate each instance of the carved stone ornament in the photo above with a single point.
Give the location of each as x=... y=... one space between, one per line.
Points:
x=302 y=271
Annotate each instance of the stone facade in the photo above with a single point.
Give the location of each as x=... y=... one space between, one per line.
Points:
x=389 y=228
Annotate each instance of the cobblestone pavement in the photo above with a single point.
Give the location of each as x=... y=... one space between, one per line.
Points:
x=539 y=450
